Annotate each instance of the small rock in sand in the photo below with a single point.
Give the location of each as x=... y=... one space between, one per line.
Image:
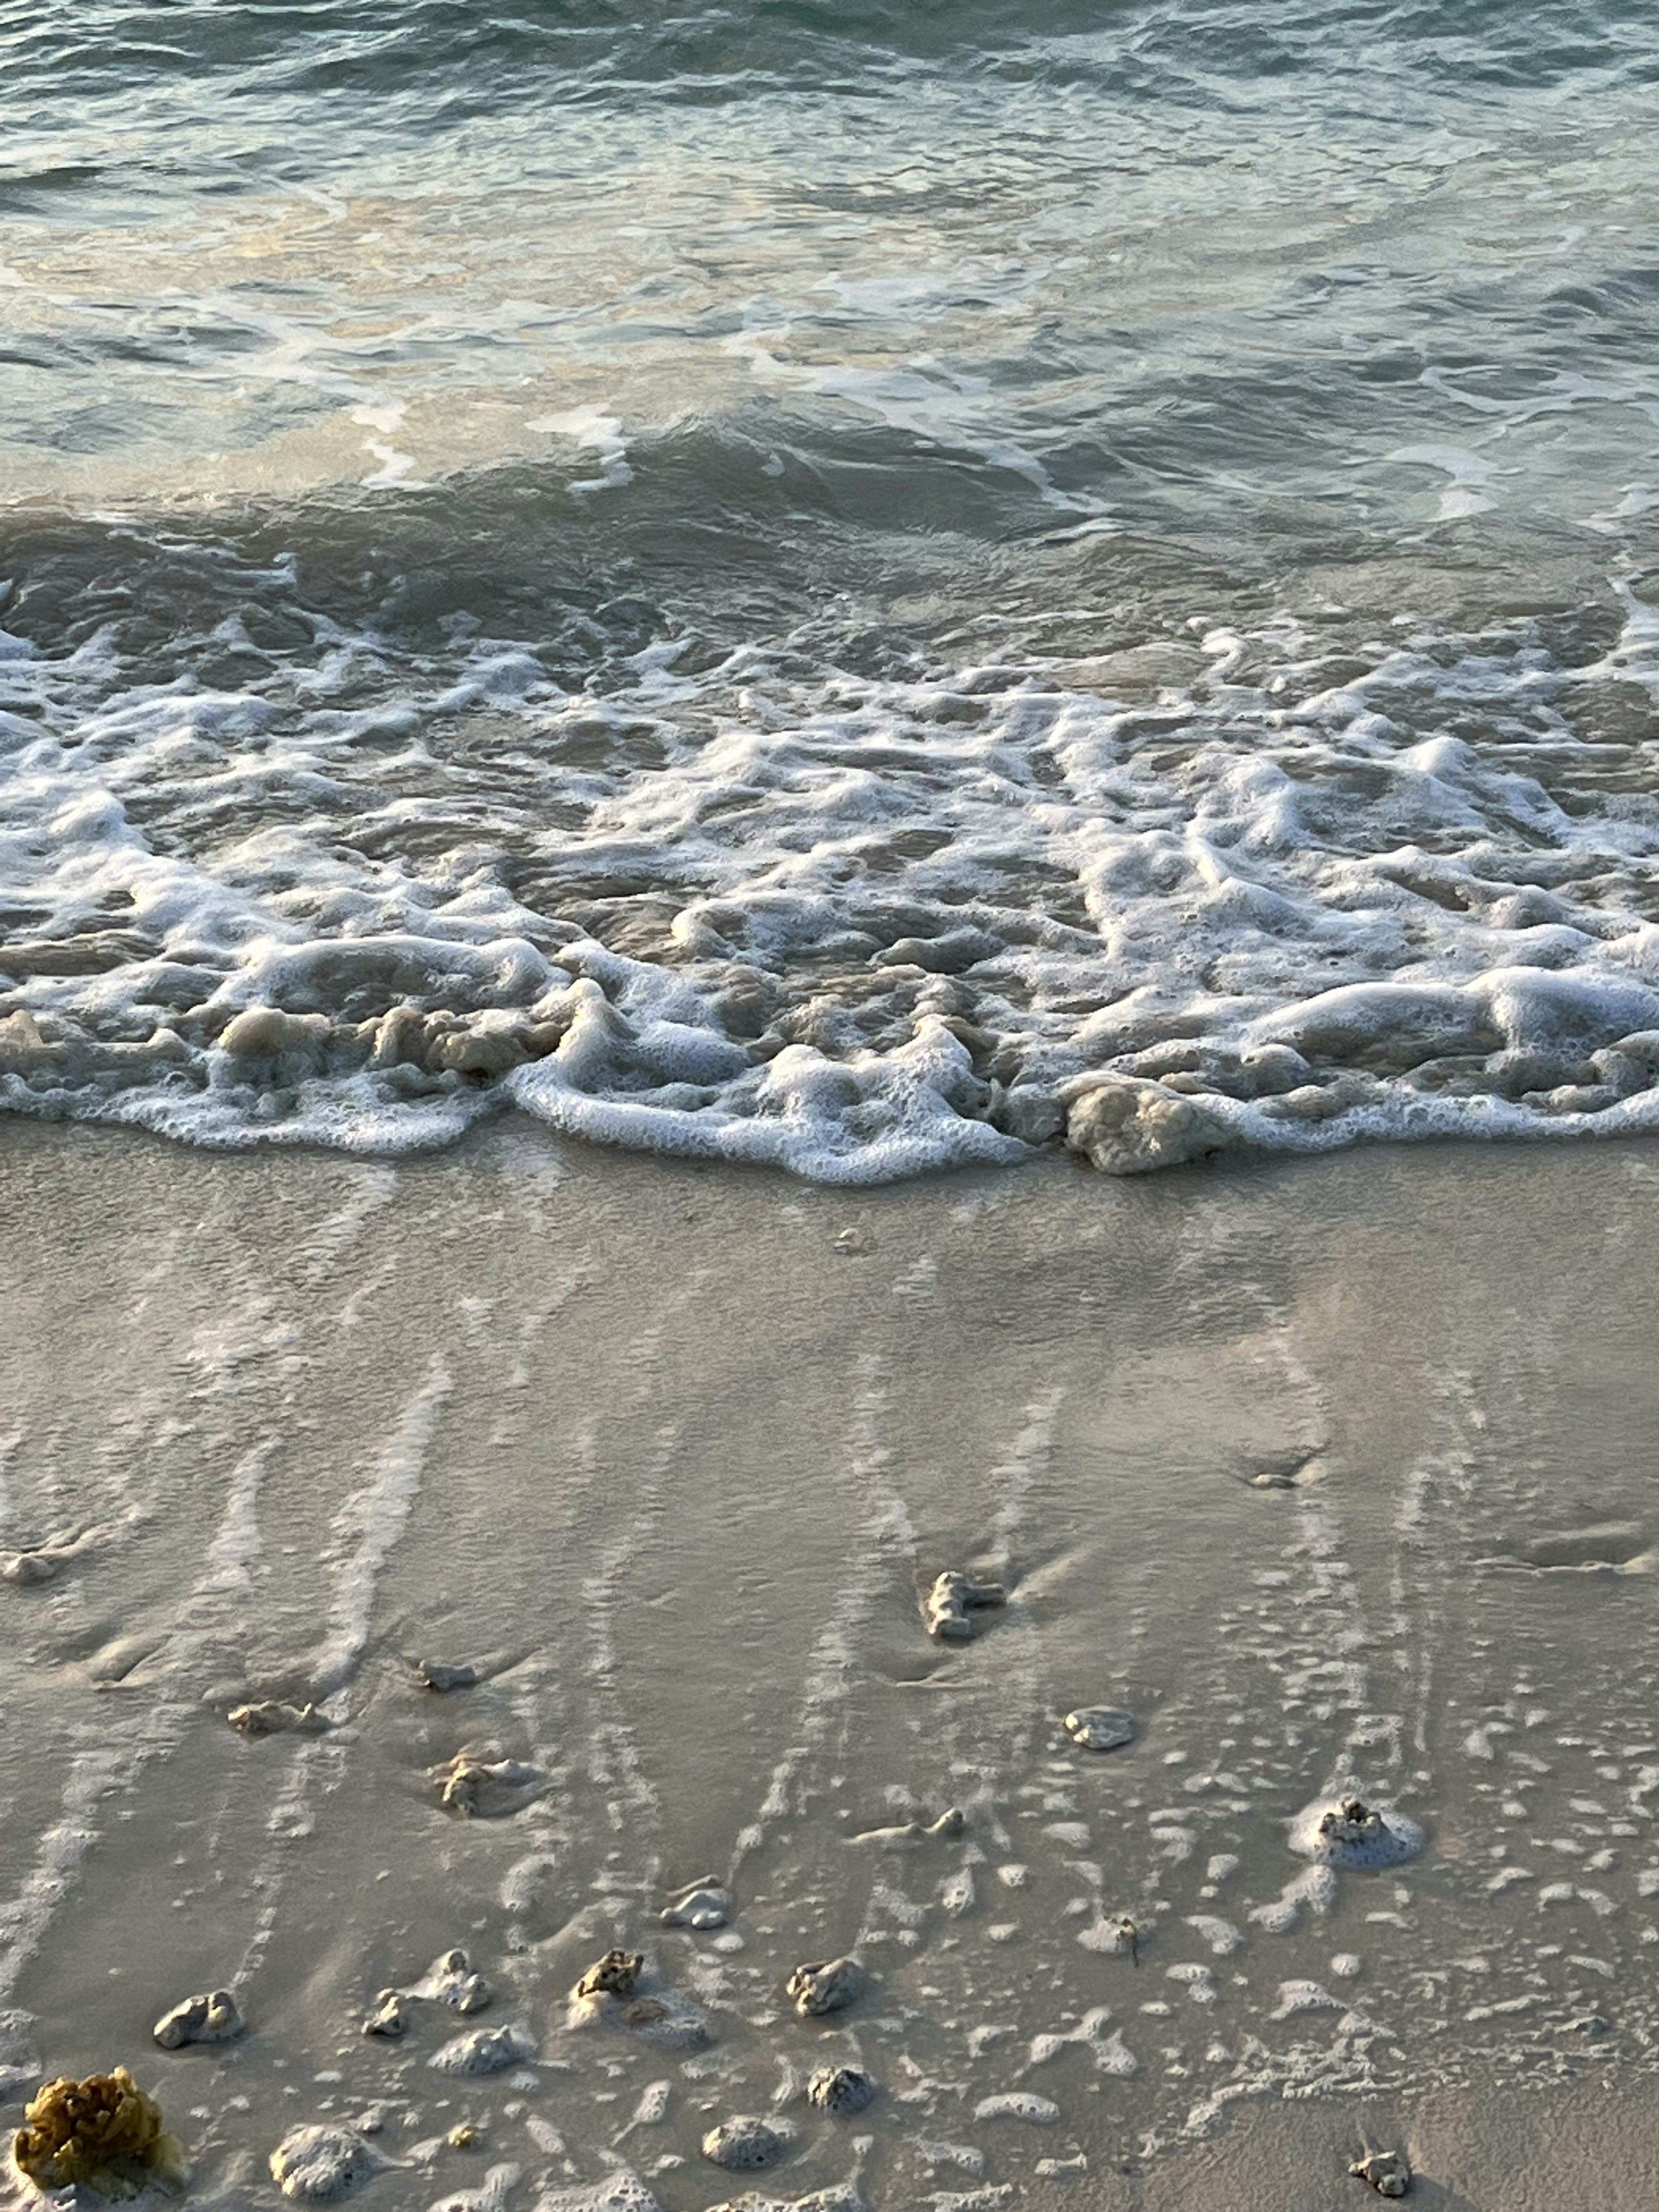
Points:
x=450 y=1981
x=706 y=1905
x=1099 y=1728
x=438 y=1674
x=953 y=1596
x=843 y=2090
x=744 y=2145
x=948 y=1825
x=272 y=1717
x=322 y=2165
x=211 y=2019
x=1347 y=1833
x=830 y=1987
x=390 y=2017
x=483 y=2050
x=615 y=1976
x=1386 y=2171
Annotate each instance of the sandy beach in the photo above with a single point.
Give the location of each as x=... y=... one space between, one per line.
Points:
x=1331 y=1476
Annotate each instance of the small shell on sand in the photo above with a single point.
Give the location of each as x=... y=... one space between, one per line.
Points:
x=322 y=2165
x=450 y=1981
x=1386 y=2171
x=843 y=2090
x=211 y=2019
x=483 y=2050
x=615 y=1976
x=744 y=2145
x=949 y=1824
x=1347 y=1833
x=707 y=1904
x=272 y=1717
x=953 y=1596
x=830 y=1987
x=482 y=1789
x=1099 y=1728
x=390 y=2017
x=439 y=1675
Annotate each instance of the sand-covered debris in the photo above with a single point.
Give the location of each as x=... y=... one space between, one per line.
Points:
x=1386 y=2171
x=949 y=1825
x=843 y=2090
x=323 y=2164
x=482 y=1786
x=954 y=1598
x=705 y=1905
x=37 y=1565
x=830 y=1986
x=744 y=2145
x=214 y=2018
x=484 y=2050
x=1348 y=1833
x=450 y=1981
x=390 y=2017
x=103 y=2134
x=275 y=1717
x=1130 y=1125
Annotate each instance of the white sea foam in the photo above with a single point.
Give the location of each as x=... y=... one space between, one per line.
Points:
x=857 y=930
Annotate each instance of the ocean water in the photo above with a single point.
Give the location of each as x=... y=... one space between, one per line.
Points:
x=834 y=585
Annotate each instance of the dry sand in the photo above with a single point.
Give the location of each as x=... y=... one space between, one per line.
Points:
x=1331 y=1473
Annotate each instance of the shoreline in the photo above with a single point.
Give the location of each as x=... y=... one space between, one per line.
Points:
x=1319 y=1470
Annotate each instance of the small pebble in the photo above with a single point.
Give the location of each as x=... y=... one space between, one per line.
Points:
x=439 y=1675
x=213 y=2019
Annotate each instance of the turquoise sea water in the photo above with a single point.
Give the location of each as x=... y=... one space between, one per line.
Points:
x=756 y=491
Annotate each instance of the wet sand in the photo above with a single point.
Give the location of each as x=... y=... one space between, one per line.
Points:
x=1333 y=1475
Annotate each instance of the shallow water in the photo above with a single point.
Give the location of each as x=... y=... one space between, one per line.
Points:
x=811 y=575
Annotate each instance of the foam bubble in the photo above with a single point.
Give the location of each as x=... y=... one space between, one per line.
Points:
x=758 y=914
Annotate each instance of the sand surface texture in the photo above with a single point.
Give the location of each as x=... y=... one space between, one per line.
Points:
x=1336 y=1478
